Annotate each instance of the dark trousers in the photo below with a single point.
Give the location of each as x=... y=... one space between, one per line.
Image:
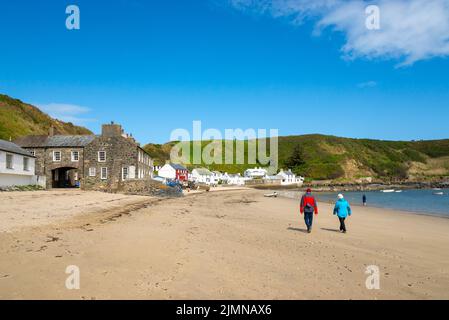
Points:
x=308 y=218
x=342 y=224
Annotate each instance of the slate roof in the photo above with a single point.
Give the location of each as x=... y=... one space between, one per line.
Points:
x=203 y=171
x=54 y=141
x=287 y=173
x=13 y=148
x=177 y=166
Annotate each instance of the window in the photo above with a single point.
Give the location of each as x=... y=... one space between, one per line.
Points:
x=125 y=173
x=92 y=172
x=104 y=173
x=9 y=161
x=75 y=156
x=26 y=164
x=57 y=156
x=101 y=156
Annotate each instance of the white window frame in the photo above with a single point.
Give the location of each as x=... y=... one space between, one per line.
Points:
x=92 y=172
x=54 y=156
x=26 y=164
x=11 y=164
x=99 y=158
x=105 y=176
x=73 y=156
x=125 y=173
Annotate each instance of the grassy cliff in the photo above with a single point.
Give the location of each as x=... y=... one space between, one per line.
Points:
x=19 y=119
x=323 y=157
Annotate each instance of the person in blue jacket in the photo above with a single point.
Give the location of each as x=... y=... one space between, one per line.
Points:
x=342 y=210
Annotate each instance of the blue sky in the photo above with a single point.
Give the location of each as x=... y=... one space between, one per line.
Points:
x=155 y=66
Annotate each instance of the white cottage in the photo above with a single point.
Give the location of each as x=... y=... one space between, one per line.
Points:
x=256 y=173
x=17 y=166
x=289 y=178
x=235 y=179
x=202 y=175
x=217 y=177
x=174 y=171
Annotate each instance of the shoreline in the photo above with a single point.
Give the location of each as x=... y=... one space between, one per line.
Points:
x=356 y=204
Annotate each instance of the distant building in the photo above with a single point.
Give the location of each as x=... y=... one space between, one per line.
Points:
x=94 y=162
x=274 y=179
x=235 y=179
x=174 y=171
x=289 y=178
x=217 y=176
x=17 y=165
x=256 y=173
x=202 y=175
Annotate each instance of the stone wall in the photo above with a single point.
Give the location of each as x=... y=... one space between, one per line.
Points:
x=258 y=182
x=120 y=152
x=45 y=163
x=146 y=187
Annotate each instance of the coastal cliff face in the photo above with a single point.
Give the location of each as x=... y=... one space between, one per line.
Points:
x=20 y=119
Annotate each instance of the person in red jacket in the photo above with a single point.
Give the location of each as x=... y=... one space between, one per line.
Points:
x=308 y=208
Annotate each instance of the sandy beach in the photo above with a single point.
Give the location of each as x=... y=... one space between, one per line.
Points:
x=233 y=244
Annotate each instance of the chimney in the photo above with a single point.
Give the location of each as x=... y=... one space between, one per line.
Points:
x=111 y=130
x=51 y=131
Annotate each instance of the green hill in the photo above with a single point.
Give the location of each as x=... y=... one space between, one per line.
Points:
x=321 y=157
x=19 y=119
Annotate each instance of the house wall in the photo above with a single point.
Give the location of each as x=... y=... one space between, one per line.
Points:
x=120 y=152
x=167 y=172
x=8 y=180
x=39 y=153
x=45 y=157
x=145 y=165
x=201 y=178
x=17 y=164
x=16 y=176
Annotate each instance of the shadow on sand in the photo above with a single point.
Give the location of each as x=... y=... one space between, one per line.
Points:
x=330 y=230
x=297 y=229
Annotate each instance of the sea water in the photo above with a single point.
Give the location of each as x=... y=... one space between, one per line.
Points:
x=423 y=201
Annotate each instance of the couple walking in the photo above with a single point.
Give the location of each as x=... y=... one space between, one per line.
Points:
x=309 y=207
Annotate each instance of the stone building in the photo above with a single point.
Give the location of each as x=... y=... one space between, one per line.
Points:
x=92 y=162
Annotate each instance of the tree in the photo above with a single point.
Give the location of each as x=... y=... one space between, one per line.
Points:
x=296 y=159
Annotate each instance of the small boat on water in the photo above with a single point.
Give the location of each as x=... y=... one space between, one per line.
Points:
x=388 y=191
x=438 y=193
x=398 y=191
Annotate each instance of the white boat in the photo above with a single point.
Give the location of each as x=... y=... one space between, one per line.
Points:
x=438 y=193
x=388 y=191
x=398 y=191
x=271 y=195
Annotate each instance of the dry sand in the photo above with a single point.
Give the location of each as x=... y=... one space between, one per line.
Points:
x=218 y=245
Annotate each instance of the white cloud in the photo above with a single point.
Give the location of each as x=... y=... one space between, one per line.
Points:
x=67 y=112
x=410 y=30
x=368 y=84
